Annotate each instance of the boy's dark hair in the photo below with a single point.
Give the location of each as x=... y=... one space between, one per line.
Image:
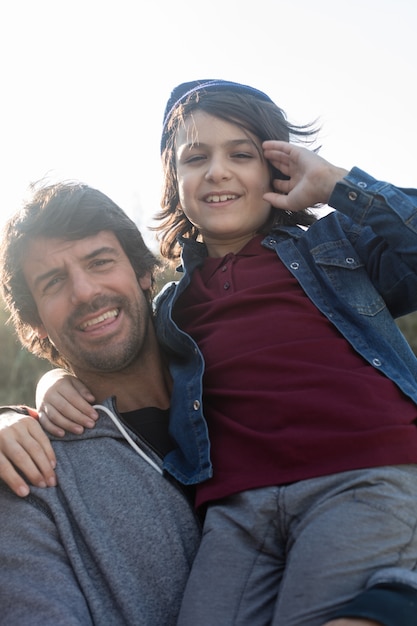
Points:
x=239 y=104
x=68 y=210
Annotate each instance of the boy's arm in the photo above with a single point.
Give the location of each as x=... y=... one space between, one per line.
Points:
x=25 y=448
x=64 y=404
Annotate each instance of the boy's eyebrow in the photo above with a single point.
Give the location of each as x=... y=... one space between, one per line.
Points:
x=91 y=255
x=231 y=142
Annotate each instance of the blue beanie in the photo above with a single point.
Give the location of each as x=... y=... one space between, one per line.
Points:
x=180 y=93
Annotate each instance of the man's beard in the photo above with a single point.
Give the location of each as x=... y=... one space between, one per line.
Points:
x=108 y=360
x=104 y=357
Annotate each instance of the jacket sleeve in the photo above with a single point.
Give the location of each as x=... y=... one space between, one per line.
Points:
x=390 y=211
x=37 y=583
x=382 y=227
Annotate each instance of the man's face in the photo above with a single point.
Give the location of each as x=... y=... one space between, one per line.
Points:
x=89 y=301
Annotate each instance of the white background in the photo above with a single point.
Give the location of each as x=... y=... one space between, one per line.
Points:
x=84 y=83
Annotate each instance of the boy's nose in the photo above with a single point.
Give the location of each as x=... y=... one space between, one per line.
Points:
x=217 y=170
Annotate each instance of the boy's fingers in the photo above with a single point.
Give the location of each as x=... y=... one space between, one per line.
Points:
x=83 y=390
x=72 y=409
x=9 y=475
x=277 y=200
x=69 y=417
x=34 y=464
x=39 y=446
x=56 y=424
x=73 y=400
x=25 y=447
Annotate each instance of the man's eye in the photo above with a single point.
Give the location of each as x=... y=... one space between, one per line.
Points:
x=52 y=283
x=101 y=262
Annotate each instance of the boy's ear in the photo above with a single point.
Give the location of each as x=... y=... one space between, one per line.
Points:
x=40 y=331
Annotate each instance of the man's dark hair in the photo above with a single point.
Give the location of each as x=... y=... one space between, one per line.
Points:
x=68 y=210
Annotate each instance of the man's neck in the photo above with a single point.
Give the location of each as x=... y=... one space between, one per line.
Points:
x=134 y=387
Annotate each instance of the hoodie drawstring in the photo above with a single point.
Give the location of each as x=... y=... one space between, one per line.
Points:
x=128 y=437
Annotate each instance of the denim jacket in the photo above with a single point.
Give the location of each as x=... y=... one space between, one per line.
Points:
x=358 y=265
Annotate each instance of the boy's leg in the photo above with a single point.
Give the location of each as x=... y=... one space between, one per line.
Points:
x=235 y=576
x=293 y=555
x=344 y=528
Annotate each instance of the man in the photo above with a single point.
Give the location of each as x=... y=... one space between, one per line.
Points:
x=114 y=541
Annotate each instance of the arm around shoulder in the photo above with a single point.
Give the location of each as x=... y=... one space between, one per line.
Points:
x=24 y=447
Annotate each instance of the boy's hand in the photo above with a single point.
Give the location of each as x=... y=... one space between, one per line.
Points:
x=63 y=404
x=311 y=178
x=24 y=445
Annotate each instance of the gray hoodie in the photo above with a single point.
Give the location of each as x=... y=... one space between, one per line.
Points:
x=111 y=545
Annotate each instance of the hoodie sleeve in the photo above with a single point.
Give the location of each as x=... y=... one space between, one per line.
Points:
x=37 y=583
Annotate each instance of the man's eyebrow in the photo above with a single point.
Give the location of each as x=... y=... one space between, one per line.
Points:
x=43 y=277
x=91 y=255
x=99 y=251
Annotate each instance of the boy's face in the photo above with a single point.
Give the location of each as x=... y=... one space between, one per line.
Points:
x=89 y=301
x=222 y=177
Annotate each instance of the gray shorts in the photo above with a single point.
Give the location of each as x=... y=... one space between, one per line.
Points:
x=292 y=555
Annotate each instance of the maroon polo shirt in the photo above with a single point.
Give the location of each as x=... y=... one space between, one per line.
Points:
x=285 y=395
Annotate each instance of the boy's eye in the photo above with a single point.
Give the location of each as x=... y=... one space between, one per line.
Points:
x=195 y=158
x=242 y=155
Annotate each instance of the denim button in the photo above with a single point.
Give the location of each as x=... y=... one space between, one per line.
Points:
x=294 y=265
x=196 y=405
x=376 y=362
x=352 y=195
x=362 y=185
x=350 y=260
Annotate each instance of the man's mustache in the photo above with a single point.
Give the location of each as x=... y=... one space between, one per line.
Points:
x=87 y=308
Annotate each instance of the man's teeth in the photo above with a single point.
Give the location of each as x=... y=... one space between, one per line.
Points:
x=221 y=198
x=100 y=318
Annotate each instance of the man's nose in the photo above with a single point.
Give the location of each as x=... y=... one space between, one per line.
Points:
x=83 y=288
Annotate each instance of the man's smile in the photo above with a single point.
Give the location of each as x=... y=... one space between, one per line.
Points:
x=112 y=314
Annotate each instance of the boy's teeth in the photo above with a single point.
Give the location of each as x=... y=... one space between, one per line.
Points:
x=99 y=319
x=221 y=198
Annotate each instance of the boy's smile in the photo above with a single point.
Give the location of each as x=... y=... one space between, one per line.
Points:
x=222 y=177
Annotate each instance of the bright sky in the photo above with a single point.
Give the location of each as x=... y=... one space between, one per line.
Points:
x=84 y=83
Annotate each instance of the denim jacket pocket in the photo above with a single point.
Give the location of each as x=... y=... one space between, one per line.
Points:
x=348 y=278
